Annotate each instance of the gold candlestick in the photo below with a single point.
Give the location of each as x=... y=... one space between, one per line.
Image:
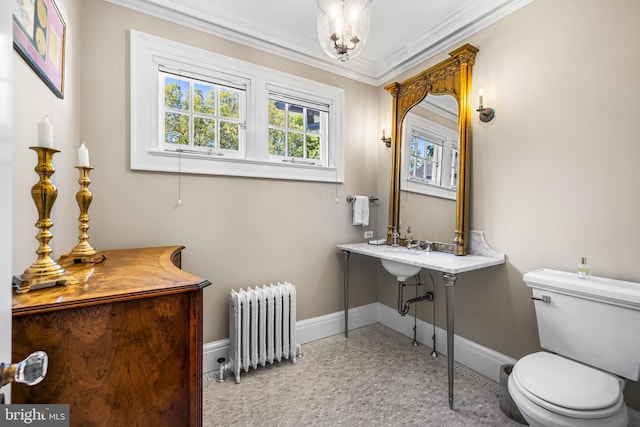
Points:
x=44 y=272
x=83 y=252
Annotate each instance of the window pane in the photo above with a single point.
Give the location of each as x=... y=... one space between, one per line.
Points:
x=313 y=120
x=420 y=148
x=176 y=128
x=204 y=98
x=419 y=168
x=229 y=103
x=429 y=172
x=412 y=166
x=176 y=93
x=313 y=147
x=205 y=132
x=229 y=135
x=430 y=150
x=296 y=120
x=296 y=144
x=276 y=142
x=276 y=113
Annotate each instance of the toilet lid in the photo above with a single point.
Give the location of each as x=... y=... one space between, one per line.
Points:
x=567 y=384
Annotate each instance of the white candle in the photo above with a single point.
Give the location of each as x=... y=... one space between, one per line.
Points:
x=383 y=129
x=83 y=156
x=45 y=133
x=481 y=94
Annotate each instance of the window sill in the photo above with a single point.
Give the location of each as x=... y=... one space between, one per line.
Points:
x=429 y=189
x=194 y=163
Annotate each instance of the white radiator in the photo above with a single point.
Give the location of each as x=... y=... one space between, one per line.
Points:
x=262 y=326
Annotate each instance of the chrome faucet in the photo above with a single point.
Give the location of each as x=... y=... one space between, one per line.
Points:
x=414 y=244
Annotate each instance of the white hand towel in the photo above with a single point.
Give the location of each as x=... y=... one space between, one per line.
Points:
x=361 y=211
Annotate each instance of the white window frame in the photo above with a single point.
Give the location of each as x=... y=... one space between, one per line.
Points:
x=148 y=52
x=450 y=137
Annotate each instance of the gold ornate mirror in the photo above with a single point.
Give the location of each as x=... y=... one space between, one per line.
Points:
x=450 y=77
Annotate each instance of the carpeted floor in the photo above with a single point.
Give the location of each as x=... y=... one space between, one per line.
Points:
x=373 y=378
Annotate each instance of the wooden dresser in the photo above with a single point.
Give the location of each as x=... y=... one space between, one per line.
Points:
x=124 y=346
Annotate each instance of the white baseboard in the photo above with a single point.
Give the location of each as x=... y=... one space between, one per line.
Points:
x=332 y=324
x=307 y=330
x=212 y=352
x=468 y=353
x=481 y=359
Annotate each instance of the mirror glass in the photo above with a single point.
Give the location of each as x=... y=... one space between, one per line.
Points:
x=429 y=168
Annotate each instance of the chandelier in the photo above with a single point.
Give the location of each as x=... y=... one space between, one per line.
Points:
x=343 y=27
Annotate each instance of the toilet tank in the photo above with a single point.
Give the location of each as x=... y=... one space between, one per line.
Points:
x=594 y=321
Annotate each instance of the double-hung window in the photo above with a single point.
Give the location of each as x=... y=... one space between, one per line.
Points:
x=194 y=111
x=430 y=158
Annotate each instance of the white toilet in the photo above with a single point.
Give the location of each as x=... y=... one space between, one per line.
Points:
x=589 y=329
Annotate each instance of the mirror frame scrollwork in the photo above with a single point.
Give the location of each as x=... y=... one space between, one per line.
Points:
x=450 y=77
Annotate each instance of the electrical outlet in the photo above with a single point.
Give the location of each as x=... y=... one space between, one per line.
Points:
x=368 y=234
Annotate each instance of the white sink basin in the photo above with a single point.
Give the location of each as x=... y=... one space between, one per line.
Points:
x=399 y=250
x=400 y=269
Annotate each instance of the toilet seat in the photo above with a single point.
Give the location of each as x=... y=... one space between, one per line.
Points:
x=566 y=387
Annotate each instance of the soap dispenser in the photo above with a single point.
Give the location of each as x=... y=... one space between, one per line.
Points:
x=584 y=271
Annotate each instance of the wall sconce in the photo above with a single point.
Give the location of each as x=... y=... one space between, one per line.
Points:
x=486 y=113
x=385 y=139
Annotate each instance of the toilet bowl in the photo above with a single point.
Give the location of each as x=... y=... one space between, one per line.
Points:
x=552 y=391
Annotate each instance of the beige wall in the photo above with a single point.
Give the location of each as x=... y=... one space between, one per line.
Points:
x=553 y=176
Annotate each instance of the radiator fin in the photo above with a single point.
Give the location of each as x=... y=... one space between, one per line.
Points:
x=262 y=326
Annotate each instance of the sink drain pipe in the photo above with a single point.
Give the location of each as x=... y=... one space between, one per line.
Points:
x=404 y=307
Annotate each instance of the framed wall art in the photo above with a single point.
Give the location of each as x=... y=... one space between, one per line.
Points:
x=39 y=37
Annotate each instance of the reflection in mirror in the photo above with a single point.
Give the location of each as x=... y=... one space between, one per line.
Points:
x=430 y=148
x=429 y=168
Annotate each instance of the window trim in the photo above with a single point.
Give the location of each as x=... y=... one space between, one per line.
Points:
x=450 y=137
x=147 y=52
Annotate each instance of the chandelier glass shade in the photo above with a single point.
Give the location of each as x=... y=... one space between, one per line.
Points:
x=343 y=27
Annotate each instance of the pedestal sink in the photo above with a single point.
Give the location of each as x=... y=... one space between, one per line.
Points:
x=400 y=269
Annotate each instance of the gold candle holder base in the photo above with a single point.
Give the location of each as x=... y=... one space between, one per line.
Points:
x=44 y=272
x=83 y=253
x=24 y=284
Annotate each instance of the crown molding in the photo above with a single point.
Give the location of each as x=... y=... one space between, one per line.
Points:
x=470 y=18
